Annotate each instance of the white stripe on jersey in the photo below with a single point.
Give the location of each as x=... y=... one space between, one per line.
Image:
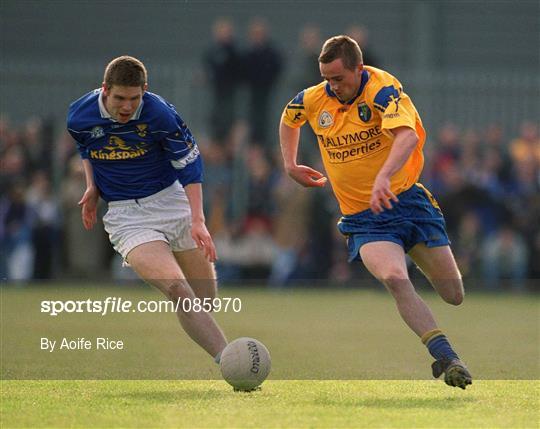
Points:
x=188 y=159
x=173 y=140
x=124 y=132
x=79 y=132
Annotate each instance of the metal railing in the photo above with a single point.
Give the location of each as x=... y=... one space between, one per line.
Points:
x=470 y=100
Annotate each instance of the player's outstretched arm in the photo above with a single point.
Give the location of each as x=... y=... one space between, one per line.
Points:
x=90 y=198
x=199 y=232
x=404 y=143
x=302 y=174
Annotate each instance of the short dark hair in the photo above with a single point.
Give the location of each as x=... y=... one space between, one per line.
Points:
x=125 y=71
x=344 y=48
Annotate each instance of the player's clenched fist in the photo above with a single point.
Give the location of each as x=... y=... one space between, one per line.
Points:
x=307 y=176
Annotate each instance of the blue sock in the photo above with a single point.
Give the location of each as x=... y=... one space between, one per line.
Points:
x=440 y=348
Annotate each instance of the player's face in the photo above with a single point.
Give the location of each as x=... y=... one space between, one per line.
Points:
x=122 y=101
x=343 y=82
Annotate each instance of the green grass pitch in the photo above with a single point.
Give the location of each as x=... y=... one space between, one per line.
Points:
x=295 y=404
x=341 y=358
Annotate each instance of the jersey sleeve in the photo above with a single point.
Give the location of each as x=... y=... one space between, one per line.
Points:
x=78 y=135
x=182 y=150
x=395 y=108
x=294 y=115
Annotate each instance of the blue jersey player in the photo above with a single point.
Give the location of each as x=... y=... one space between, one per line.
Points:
x=140 y=157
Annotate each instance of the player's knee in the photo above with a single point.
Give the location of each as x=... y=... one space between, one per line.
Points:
x=455 y=293
x=457 y=298
x=179 y=291
x=393 y=275
x=396 y=280
x=206 y=288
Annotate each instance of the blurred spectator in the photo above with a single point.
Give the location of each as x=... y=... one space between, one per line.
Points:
x=447 y=153
x=16 y=223
x=13 y=157
x=488 y=173
x=34 y=145
x=457 y=197
x=470 y=154
x=217 y=173
x=319 y=257
x=45 y=231
x=85 y=252
x=361 y=35
x=262 y=180
x=65 y=149
x=505 y=256
x=290 y=231
x=494 y=142
x=341 y=271
x=310 y=47
x=222 y=65
x=248 y=255
x=523 y=199
x=245 y=244
x=308 y=75
x=467 y=245
x=527 y=145
x=262 y=66
x=13 y=165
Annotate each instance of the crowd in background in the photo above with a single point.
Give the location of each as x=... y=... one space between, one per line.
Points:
x=265 y=225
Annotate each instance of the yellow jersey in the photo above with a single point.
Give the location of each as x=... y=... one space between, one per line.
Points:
x=355 y=138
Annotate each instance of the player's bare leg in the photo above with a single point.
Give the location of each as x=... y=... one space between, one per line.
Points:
x=440 y=268
x=200 y=273
x=386 y=261
x=154 y=262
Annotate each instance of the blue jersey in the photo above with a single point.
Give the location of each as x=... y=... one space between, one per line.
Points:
x=138 y=158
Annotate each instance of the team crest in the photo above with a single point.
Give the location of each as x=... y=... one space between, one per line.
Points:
x=364 y=112
x=325 y=120
x=116 y=143
x=141 y=130
x=97 y=132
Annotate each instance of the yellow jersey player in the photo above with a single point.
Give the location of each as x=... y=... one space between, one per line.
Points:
x=371 y=137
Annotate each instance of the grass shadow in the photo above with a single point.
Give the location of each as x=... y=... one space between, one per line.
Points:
x=167 y=396
x=402 y=403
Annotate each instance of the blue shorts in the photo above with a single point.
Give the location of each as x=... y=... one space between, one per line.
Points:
x=417 y=218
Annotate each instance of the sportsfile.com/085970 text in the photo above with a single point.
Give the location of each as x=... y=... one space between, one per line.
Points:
x=111 y=305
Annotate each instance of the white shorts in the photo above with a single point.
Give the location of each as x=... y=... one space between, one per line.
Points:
x=163 y=216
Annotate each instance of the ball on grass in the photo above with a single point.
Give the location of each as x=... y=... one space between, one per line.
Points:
x=245 y=363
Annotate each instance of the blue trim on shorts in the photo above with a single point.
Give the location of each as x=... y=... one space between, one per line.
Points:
x=415 y=219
